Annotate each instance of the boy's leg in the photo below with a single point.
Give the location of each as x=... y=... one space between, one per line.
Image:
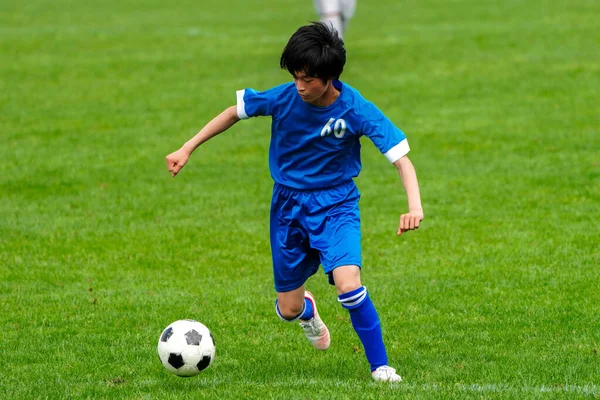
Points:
x=294 y=261
x=291 y=306
x=355 y=298
x=300 y=305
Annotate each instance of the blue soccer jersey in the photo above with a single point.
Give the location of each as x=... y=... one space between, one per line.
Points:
x=319 y=147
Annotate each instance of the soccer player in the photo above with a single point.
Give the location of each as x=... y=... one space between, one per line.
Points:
x=314 y=154
x=336 y=12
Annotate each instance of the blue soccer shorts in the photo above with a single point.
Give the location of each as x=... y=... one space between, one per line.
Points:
x=311 y=228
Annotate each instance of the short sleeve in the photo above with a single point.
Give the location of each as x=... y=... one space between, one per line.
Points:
x=251 y=103
x=388 y=138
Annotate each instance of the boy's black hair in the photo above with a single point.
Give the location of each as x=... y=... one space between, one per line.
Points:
x=316 y=50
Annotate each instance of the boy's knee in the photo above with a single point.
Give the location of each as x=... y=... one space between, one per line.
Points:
x=288 y=311
x=346 y=278
x=348 y=286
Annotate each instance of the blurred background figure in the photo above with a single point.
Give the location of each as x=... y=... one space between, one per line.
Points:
x=336 y=12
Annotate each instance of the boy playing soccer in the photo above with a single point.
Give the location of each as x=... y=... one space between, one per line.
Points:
x=314 y=155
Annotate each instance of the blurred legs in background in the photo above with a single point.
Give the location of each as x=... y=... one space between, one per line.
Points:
x=336 y=12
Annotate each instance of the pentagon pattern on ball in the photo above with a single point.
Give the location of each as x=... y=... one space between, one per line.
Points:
x=205 y=362
x=166 y=334
x=193 y=338
x=176 y=360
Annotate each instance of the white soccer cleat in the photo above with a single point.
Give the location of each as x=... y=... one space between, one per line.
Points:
x=314 y=329
x=386 y=374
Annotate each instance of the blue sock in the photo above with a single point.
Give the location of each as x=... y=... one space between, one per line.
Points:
x=306 y=314
x=366 y=324
x=309 y=310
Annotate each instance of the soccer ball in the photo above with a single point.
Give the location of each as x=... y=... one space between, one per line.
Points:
x=186 y=347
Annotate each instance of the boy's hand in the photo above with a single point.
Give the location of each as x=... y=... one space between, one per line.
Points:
x=410 y=221
x=176 y=160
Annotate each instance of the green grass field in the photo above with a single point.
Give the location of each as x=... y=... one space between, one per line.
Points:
x=496 y=296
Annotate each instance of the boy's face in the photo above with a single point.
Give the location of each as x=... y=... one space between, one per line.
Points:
x=310 y=89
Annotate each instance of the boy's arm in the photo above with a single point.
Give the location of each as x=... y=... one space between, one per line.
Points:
x=408 y=175
x=222 y=122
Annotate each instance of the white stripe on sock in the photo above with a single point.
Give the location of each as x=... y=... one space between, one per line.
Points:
x=356 y=299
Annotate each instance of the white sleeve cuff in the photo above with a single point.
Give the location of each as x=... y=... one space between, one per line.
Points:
x=241 y=106
x=396 y=152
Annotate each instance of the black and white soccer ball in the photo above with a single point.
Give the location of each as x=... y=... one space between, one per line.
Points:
x=186 y=347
